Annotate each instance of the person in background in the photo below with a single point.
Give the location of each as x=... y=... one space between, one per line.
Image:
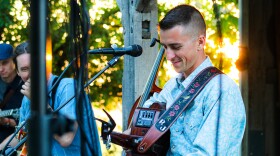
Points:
x=214 y=122
x=10 y=86
x=69 y=143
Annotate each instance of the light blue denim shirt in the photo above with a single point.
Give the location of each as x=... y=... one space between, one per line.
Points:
x=64 y=92
x=213 y=124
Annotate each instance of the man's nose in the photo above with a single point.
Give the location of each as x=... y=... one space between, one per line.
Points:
x=169 y=54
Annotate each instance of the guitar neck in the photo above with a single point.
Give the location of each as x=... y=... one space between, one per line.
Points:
x=125 y=140
x=6 y=113
x=152 y=78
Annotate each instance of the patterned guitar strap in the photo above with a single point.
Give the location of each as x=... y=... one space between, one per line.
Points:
x=179 y=105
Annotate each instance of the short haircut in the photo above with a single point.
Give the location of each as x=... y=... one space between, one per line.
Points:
x=184 y=15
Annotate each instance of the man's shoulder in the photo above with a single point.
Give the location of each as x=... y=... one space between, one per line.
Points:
x=66 y=82
x=224 y=81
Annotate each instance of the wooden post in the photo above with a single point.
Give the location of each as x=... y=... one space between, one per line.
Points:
x=277 y=44
x=259 y=76
x=139 y=19
x=243 y=64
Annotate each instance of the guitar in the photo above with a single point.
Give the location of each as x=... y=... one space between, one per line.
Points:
x=140 y=120
x=143 y=119
x=12 y=112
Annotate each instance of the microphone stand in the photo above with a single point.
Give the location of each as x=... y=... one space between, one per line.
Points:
x=111 y=63
x=14 y=134
x=22 y=141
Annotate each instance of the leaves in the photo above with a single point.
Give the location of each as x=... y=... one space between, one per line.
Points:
x=106 y=29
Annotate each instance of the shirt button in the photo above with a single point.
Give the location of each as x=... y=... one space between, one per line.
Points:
x=173 y=147
x=177 y=130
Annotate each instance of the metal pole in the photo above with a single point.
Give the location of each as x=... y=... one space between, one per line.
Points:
x=39 y=128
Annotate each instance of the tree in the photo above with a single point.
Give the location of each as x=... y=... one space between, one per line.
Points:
x=106 y=29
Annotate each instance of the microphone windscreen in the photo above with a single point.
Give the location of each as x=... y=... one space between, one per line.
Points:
x=136 y=50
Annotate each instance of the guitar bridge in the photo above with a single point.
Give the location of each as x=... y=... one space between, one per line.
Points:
x=145 y=118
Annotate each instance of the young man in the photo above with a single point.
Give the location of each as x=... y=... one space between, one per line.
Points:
x=214 y=123
x=10 y=87
x=69 y=143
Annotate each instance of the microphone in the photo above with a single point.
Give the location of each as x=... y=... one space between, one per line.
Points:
x=133 y=50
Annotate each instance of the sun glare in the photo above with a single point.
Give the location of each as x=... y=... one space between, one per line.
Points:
x=231 y=51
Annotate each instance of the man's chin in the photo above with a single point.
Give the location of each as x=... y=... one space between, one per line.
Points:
x=178 y=70
x=4 y=79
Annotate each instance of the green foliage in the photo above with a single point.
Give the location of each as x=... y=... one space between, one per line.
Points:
x=106 y=91
x=13 y=30
x=6 y=20
x=106 y=29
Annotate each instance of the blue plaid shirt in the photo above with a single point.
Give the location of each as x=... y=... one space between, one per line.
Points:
x=214 y=122
x=64 y=92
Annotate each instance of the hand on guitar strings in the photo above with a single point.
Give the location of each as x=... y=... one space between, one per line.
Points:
x=127 y=131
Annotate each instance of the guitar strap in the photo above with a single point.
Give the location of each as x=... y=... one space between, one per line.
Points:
x=10 y=93
x=6 y=98
x=179 y=105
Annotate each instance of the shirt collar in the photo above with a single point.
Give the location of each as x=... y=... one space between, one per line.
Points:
x=185 y=82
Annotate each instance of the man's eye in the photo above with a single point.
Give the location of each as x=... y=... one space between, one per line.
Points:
x=176 y=47
x=24 y=69
x=5 y=62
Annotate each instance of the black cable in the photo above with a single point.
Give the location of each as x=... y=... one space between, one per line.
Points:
x=83 y=106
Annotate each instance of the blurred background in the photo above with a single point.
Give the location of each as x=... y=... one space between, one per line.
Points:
x=223 y=47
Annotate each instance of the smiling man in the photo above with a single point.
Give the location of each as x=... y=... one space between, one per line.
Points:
x=214 y=122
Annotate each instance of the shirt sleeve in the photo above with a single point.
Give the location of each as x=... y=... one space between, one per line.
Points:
x=163 y=96
x=24 y=112
x=66 y=91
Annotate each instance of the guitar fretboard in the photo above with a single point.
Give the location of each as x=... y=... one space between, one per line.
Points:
x=11 y=112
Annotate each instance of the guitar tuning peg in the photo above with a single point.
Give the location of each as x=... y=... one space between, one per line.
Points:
x=153 y=42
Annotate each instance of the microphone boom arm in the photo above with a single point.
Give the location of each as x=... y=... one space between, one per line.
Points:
x=111 y=63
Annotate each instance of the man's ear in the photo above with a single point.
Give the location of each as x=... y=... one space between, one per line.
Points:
x=201 y=42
